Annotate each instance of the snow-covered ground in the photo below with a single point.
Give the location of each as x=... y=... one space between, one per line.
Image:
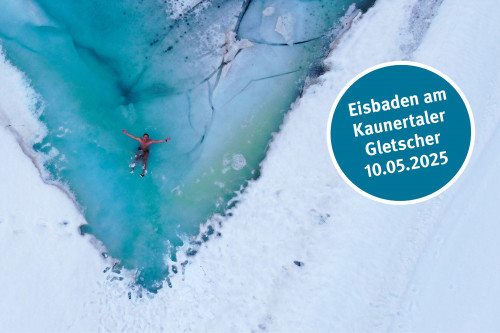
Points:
x=367 y=266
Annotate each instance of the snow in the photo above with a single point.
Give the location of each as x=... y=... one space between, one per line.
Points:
x=285 y=27
x=177 y=8
x=19 y=109
x=461 y=292
x=268 y=11
x=367 y=266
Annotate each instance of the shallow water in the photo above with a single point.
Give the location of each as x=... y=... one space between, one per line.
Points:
x=142 y=66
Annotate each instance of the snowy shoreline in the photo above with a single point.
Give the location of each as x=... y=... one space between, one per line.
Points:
x=367 y=266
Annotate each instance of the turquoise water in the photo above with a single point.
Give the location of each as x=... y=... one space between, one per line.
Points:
x=104 y=66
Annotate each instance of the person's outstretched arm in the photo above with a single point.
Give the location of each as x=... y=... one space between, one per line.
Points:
x=159 y=141
x=130 y=135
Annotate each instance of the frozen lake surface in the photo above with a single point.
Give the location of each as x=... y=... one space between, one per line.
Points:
x=217 y=78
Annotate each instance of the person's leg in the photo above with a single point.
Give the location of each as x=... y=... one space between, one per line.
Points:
x=137 y=158
x=144 y=162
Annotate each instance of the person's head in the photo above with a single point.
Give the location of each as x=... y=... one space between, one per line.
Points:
x=146 y=136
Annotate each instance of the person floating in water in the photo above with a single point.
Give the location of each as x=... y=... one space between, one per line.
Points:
x=143 y=150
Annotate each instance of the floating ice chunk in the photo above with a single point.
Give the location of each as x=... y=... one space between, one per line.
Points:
x=62 y=131
x=219 y=202
x=268 y=11
x=285 y=27
x=350 y=10
x=233 y=46
x=239 y=162
x=235 y=162
x=177 y=190
x=226 y=164
x=53 y=152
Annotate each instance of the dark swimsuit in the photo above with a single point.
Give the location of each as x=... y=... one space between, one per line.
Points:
x=145 y=151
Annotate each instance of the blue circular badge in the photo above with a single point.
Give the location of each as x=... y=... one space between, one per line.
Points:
x=401 y=132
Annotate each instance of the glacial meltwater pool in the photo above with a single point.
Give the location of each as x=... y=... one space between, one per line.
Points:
x=215 y=76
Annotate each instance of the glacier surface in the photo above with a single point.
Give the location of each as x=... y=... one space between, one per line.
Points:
x=366 y=266
x=217 y=77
